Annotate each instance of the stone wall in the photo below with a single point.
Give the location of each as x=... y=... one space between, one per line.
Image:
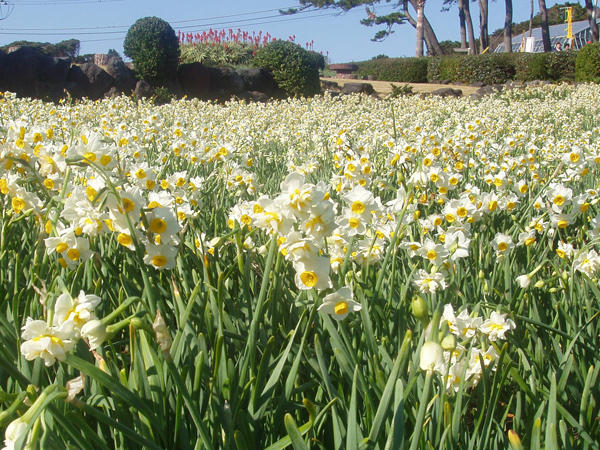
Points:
x=30 y=73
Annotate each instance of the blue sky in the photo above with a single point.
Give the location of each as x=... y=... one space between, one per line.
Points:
x=101 y=25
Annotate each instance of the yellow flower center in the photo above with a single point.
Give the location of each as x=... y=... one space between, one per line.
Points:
x=73 y=254
x=105 y=160
x=309 y=278
x=124 y=239
x=18 y=204
x=128 y=205
x=358 y=207
x=158 y=225
x=341 y=308
x=159 y=260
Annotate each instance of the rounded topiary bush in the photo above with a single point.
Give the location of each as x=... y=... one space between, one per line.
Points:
x=587 y=64
x=153 y=46
x=294 y=68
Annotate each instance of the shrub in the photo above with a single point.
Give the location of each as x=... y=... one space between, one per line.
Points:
x=217 y=54
x=318 y=59
x=153 y=46
x=401 y=91
x=587 y=64
x=407 y=70
x=561 y=65
x=293 y=68
x=162 y=95
x=68 y=48
x=489 y=69
x=449 y=68
x=531 y=66
x=433 y=69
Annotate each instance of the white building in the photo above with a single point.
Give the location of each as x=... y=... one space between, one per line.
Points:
x=582 y=34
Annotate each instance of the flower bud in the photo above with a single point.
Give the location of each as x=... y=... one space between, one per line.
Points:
x=163 y=337
x=16 y=431
x=419 y=308
x=449 y=342
x=136 y=323
x=431 y=357
x=74 y=387
x=95 y=333
x=539 y=284
x=515 y=441
x=348 y=278
x=524 y=281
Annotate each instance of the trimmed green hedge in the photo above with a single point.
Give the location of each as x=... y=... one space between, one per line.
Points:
x=502 y=67
x=407 y=70
x=588 y=63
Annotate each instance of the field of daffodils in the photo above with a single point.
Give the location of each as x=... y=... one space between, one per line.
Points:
x=312 y=273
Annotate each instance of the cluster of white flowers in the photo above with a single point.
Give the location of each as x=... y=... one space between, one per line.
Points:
x=73 y=318
x=466 y=356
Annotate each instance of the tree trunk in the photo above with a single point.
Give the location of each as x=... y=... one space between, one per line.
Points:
x=432 y=41
x=469 y=22
x=463 y=27
x=592 y=19
x=433 y=45
x=484 y=38
x=531 y=19
x=545 y=28
x=420 y=32
x=508 y=27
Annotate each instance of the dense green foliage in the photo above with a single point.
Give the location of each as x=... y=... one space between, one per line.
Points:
x=153 y=46
x=293 y=68
x=67 y=48
x=502 y=67
x=587 y=66
x=218 y=54
x=407 y=70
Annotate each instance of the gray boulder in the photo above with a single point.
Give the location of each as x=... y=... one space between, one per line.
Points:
x=123 y=76
x=20 y=71
x=143 y=89
x=260 y=80
x=55 y=70
x=93 y=80
x=225 y=83
x=194 y=79
x=447 y=92
x=358 y=88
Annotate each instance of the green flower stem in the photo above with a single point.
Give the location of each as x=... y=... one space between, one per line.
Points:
x=421 y=414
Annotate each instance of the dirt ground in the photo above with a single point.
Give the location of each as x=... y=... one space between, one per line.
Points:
x=383 y=88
